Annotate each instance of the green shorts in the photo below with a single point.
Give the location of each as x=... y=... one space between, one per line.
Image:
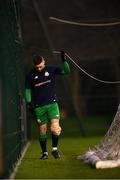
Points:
x=47 y=113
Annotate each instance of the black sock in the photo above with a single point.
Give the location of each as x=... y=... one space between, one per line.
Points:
x=43 y=144
x=54 y=140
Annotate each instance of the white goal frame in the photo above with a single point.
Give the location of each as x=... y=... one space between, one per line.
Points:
x=107 y=153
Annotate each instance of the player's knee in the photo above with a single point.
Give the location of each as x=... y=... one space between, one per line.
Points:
x=56 y=129
x=43 y=129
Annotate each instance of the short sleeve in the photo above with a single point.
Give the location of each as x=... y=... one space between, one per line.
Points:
x=57 y=71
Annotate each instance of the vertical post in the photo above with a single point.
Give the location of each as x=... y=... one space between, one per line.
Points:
x=1 y=139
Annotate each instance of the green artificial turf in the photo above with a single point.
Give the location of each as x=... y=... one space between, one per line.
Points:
x=67 y=167
x=71 y=145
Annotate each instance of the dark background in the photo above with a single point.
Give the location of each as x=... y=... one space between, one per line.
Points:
x=95 y=49
x=86 y=105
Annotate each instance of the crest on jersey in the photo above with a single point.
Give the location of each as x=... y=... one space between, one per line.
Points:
x=46 y=73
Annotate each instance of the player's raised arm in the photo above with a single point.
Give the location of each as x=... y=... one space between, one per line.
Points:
x=66 y=67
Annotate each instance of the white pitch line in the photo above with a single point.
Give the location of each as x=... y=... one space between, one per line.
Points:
x=12 y=176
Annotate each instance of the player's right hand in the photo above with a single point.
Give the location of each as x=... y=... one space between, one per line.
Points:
x=63 y=57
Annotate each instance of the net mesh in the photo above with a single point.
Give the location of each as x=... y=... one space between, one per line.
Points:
x=12 y=88
x=109 y=148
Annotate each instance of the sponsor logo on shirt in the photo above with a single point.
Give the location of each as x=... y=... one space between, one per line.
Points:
x=40 y=84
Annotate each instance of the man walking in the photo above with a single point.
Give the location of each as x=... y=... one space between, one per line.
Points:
x=40 y=88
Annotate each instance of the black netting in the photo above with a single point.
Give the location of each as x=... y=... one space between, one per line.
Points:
x=12 y=85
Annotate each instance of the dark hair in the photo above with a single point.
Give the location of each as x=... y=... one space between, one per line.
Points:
x=37 y=59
